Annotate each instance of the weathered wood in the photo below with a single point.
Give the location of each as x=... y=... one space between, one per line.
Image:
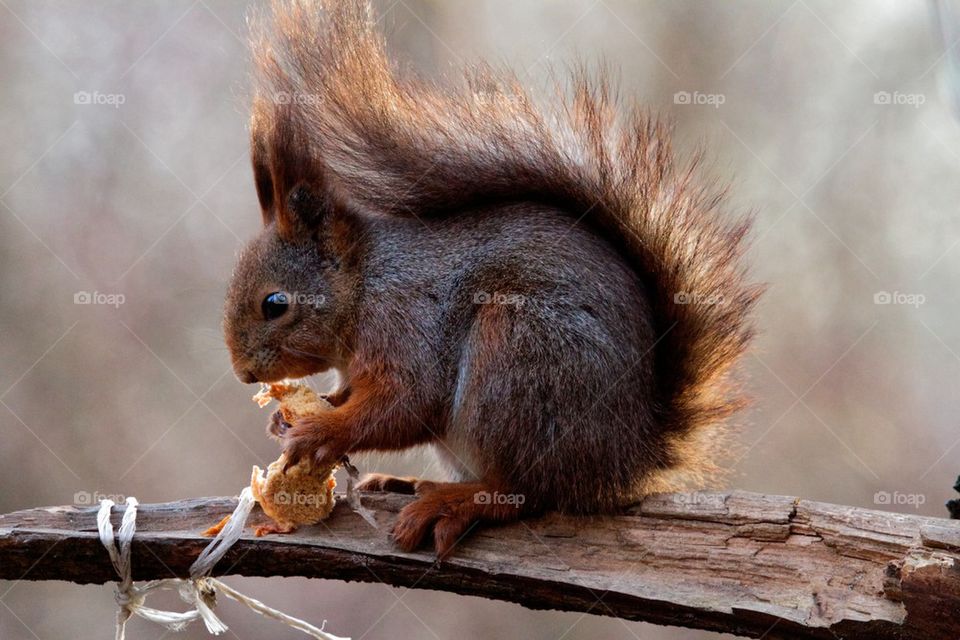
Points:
x=743 y=563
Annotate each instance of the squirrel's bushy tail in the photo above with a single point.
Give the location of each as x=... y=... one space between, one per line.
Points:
x=405 y=147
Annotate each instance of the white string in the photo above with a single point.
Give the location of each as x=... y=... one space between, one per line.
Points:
x=353 y=496
x=199 y=591
x=226 y=537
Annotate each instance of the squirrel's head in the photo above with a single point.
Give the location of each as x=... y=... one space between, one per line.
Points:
x=285 y=309
x=288 y=306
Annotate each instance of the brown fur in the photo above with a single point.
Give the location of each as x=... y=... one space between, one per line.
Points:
x=399 y=201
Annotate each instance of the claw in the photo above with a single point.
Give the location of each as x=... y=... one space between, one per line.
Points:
x=314 y=441
x=291 y=460
x=277 y=427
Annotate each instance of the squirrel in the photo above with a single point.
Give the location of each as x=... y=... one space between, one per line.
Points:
x=545 y=295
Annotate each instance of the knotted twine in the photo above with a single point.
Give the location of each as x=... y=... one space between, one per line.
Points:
x=199 y=590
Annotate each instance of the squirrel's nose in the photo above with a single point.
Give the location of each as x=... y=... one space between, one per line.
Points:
x=246 y=376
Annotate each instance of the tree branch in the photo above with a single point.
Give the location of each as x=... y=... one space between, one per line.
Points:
x=740 y=563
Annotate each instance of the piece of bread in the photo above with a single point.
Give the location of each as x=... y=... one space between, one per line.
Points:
x=296 y=400
x=301 y=496
x=304 y=494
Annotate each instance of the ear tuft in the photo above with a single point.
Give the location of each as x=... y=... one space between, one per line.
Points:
x=287 y=171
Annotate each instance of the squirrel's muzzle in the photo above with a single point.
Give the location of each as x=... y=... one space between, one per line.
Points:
x=247 y=377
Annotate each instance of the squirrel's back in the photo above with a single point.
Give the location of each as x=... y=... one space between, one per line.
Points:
x=330 y=104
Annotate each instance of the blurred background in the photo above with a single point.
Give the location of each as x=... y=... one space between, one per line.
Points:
x=125 y=193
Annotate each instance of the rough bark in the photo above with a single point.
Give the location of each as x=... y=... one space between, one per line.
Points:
x=743 y=563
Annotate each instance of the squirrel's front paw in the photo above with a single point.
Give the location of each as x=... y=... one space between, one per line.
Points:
x=313 y=438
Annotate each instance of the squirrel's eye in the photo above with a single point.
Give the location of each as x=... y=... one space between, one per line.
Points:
x=274 y=305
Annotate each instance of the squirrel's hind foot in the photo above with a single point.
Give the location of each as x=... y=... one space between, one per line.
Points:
x=449 y=511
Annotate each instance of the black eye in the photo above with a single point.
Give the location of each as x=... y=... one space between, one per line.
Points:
x=274 y=305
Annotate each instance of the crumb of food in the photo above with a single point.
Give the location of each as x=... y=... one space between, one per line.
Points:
x=217 y=528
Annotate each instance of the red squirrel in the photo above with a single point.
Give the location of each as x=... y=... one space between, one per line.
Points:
x=545 y=295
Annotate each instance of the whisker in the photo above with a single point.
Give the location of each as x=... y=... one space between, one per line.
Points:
x=206 y=349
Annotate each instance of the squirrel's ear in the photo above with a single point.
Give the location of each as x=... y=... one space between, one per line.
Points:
x=289 y=180
x=263 y=181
